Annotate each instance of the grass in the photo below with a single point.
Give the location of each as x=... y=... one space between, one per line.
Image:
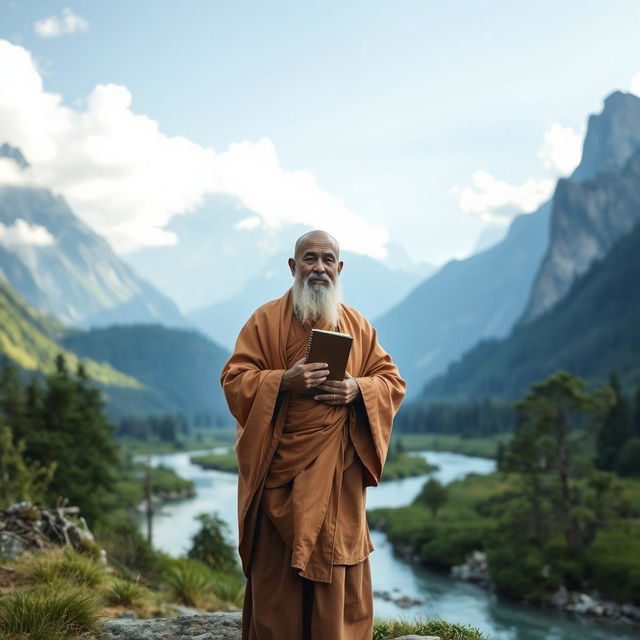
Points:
x=191 y=583
x=126 y=593
x=42 y=613
x=387 y=629
x=60 y=566
x=219 y=461
x=201 y=439
x=405 y=466
x=482 y=447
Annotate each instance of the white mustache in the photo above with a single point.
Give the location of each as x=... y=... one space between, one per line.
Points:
x=318 y=276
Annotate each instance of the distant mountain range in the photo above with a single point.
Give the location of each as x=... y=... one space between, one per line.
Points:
x=225 y=253
x=368 y=284
x=74 y=276
x=485 y=295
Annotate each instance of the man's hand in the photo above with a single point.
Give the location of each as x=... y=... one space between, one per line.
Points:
x=338 y=392
x=304 y=376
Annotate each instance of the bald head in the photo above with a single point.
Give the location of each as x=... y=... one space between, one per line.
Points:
x=315 y=237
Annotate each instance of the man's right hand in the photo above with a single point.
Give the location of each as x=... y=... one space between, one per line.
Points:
x=304 y=376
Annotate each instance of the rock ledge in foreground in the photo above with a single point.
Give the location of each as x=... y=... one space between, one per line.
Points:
x=202 y=626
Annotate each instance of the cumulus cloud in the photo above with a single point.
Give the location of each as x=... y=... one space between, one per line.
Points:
x=21 y=233
x=562 y=149
x=127 y=179
x=497 y=201
x=65 y=24
x=634 y=86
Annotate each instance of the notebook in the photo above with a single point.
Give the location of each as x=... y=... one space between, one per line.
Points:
x=330 y=347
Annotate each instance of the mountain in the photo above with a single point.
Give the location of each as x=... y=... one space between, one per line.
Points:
x=586 y=220
x=612 y=136
x=590 y=332
x=368 y=284
x=65 y=269
x=140 y=369
x=182 y=364
x=484 y=295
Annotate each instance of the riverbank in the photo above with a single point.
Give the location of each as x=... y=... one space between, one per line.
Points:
x=486 y=447
x=398 y=466
x=462 y=538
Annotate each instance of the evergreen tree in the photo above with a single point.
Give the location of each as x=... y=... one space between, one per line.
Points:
x=210 y=544
x=20 y=480
x=433 y=495
x=636 y=414
x=77 y=436
x=616 y=429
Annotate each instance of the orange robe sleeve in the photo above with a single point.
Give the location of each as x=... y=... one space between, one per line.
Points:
x=382 y=391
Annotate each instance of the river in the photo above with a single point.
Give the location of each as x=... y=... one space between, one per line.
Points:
x=442 y=597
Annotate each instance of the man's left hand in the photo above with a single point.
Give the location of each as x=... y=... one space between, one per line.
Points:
x=338 y=392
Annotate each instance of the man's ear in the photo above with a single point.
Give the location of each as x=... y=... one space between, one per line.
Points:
x=292 y=266
x=340 y=264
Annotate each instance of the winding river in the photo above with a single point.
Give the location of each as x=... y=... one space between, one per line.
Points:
x=441 y=597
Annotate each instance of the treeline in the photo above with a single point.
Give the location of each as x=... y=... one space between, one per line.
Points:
x=168 y=427
x=483 y=418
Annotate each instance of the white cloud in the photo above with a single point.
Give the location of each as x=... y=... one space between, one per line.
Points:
x=252 y=173
x=21 y=233
x=634 y=85
x=562 y=149
x=66 y=24
x=249 y=224
x=127 y=179
x=497 y=202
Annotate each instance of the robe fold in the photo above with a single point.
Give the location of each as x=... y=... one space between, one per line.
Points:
x=303 y=463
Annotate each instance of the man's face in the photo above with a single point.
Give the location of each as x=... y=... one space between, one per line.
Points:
x=316 y=256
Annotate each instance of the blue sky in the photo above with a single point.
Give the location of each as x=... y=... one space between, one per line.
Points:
x=389 y=105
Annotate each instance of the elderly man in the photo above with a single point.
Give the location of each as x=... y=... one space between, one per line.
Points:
x=307 y=448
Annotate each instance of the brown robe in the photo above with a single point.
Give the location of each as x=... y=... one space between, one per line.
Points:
x=304 y=465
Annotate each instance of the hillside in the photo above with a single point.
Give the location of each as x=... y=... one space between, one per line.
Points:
x=182 y=364
x=148 y=385
x=592 y=331
x=30 y=340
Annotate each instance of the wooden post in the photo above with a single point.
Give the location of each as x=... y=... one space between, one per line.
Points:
x=149 y=503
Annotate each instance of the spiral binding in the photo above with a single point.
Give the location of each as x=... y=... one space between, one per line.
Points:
x=309 y=341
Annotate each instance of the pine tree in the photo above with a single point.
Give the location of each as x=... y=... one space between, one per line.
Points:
x=616 y=429
x=75 y=434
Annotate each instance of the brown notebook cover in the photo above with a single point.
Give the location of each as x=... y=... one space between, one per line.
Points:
x=330 y=347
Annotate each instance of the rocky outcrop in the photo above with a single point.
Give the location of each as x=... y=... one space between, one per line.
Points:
x=473 y=569
x=586 y=221
x=25 y=526
x=203 y=626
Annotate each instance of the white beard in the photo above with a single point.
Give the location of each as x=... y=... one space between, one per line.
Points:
x=314 y=301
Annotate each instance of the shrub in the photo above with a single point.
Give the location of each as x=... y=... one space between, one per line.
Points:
x=125 y=592
x=614 y=564
x=229 y=587
x=190 y=582
x=387 y=629
x=42 y=613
